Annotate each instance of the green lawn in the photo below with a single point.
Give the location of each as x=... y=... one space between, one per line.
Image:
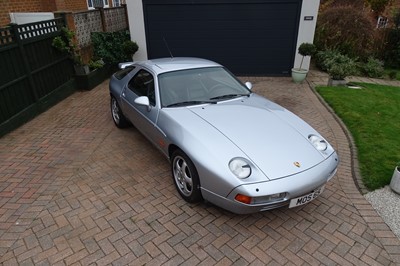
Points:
x=372 y=114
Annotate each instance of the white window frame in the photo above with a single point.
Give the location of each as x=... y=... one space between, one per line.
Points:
x=117 y=3
x=90 y=3
x=382 y=22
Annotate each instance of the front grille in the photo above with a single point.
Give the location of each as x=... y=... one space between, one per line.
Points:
x=275 y=205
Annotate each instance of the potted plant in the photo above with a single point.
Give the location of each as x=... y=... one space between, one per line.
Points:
x=130 y=48
x=305 y=49
x=339 y=67
x=395 y=182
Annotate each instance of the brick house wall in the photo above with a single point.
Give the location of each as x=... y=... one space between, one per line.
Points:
x=9 y=6
x=71 y=5
x=20 y=6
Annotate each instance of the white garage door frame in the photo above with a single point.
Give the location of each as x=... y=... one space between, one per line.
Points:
x=307 y=24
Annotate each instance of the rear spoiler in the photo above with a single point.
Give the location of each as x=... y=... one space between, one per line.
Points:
x=124 y=65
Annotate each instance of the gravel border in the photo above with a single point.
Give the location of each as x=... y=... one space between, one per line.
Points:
x=387 y=203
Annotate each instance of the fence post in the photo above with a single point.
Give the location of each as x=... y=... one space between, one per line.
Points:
x=14 y=29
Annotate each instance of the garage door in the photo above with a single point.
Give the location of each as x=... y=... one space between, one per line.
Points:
x=249 y=37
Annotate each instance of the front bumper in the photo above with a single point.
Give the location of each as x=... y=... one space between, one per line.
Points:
x=294 y=186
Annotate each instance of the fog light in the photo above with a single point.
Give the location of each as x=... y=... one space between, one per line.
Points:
x=243 y=199
x=261 y=200
x=269 y=198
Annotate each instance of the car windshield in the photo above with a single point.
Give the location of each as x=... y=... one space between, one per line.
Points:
x=199 y=86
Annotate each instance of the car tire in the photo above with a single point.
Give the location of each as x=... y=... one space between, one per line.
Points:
x=118 y=117
x=186 y=178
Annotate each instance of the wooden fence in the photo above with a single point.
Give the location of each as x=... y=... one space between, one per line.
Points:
x=31 y=70
x=33 y=74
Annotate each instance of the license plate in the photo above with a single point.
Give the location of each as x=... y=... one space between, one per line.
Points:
x=306 y=198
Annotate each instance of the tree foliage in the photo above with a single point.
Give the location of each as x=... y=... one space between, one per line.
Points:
x=345 y=29
x=335 y=3
x=378 y=6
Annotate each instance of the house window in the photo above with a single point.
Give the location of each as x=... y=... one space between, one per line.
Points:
x=96 y=3
x=382 y=22
x=116 y=3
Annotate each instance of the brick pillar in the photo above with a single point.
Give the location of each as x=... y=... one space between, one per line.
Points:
x=103 y=19
x=126 y=15
x=70 y=24
x=68 y=18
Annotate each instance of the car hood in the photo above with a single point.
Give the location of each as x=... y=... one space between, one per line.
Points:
x=263 y=131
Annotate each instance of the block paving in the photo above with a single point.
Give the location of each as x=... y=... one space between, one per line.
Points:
x=76 y=190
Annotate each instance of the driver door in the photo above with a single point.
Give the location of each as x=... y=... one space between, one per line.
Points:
x=143 y=117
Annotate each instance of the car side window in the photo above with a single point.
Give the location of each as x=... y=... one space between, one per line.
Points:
x=142 y=84
x=120 y=74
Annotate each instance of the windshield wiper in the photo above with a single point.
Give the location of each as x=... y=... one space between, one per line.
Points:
x=189 y=103
x=228 y=96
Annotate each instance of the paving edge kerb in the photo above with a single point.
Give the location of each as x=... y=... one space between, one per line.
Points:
x=353 y=148
x=385 y=236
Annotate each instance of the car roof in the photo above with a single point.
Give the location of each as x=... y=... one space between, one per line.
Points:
x=162 y=65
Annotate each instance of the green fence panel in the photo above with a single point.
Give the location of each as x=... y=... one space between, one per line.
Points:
x=31 y=69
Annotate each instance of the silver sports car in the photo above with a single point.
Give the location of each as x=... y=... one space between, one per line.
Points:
x=226 y=144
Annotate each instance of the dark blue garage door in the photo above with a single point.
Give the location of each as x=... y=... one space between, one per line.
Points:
x=255 y=37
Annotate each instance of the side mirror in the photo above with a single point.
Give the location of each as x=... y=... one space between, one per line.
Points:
x=142 y=100
x=249 y=85
x=124 y=65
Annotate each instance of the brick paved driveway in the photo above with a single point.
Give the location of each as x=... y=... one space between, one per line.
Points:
x=75 y=190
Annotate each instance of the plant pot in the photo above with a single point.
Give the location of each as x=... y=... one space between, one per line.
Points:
x=92 y=79
x=336 y=82
x=395 y=182
x=299 y=75
x=81 y=69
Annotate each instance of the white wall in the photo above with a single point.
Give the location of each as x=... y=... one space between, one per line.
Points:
x=23 y=18
x=136 y=26
x=306 y=29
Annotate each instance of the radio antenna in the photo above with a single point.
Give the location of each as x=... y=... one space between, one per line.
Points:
x=166 y=44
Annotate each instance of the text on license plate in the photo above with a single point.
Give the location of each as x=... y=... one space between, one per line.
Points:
x=306 y=198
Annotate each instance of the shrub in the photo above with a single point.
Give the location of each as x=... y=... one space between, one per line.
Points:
x=345 y=67
x=324 y=59
x=130 y=48
x=96 y=64
x=392 y=74
x=110 y=46
x=64 y=43
x=336 y=64
x=373 y=68
x=345 y=29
